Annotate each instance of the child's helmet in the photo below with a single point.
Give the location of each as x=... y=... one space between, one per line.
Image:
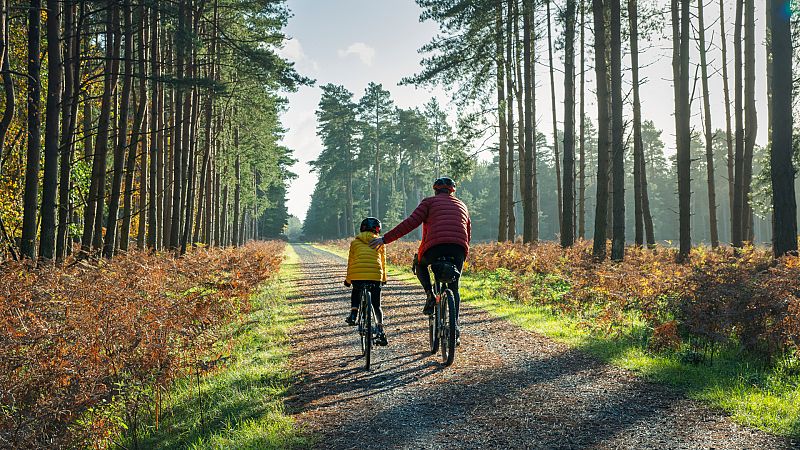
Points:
x=371 y=224
x=444 y=183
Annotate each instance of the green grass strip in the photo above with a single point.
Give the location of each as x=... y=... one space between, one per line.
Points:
x=765 y=397
x=240 y=405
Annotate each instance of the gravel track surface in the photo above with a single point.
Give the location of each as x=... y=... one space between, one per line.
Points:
x=508 y=388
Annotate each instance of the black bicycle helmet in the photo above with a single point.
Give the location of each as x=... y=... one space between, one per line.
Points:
x=371 y=224
x=444 y=183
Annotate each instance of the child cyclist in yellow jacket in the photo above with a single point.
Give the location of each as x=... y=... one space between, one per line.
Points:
x=365 y=267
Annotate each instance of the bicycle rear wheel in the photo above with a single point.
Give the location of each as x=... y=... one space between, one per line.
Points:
x=448 y=307
x=366 y=335
x=433 y=331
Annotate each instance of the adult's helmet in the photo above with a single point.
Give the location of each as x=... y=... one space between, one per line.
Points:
x=371 y=224
x=444 y=183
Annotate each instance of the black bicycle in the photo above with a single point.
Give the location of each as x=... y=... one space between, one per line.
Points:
x=366 y=324
x=443 y=323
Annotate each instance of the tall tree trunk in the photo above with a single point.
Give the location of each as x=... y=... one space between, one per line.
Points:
x=681 y=75
x=94 y=204
x=638 y=146
x=47 y=236
x=727 y=96
x=582 y=118
x=712 y=194
x=603 y=135
x=770 y=67
x=177 y=131
x=520 y=144
x=554 y=114
x=617 y=134
x=237 y=193
x=31 y=195
x=69 y=113
x=642 y=198
x=737 y=213
x=122 y=137
x=377 y=174
x=527 y=33
x=502 y=232
x=567 y=223
x=156 y=151
x=138 y=136
x=750 y=116
x=511 y=40
x=784 y=202
x=8 y=82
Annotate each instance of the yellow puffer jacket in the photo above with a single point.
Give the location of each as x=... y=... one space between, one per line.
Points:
x=364 y=262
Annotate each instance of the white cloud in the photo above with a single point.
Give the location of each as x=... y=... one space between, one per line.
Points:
x=364 y=52
x=293 y=51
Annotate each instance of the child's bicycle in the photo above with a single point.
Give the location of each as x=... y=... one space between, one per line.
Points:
x=443 y=323
x=366 y=323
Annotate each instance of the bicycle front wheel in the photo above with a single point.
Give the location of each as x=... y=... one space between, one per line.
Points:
x=448 y=332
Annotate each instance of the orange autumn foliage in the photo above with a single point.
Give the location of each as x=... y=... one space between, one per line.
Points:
x=84 y=348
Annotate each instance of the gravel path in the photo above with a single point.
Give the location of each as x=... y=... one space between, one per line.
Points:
x=508 y=388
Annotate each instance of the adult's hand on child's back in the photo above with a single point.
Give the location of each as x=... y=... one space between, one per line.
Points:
x=377 y=242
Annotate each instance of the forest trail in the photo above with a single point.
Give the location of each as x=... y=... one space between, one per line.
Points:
x=508 y=388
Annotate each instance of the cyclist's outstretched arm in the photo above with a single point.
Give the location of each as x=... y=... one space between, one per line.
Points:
x=407 y=226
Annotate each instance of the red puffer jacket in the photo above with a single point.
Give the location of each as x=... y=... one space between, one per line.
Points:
x=444 y=219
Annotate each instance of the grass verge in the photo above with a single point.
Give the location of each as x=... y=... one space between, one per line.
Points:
x=758 y=395
x=240 y=405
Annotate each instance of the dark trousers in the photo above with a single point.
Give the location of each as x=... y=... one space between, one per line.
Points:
x=454 y=251
x=375 y=293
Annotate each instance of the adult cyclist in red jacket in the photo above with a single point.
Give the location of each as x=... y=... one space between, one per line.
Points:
x=446 y=231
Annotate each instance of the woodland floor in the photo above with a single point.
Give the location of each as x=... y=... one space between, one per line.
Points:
x=508 y=388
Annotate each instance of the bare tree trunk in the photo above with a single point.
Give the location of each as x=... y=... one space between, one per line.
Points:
x=770 y=67
x=137 y=137
x=8 y=82
x=51 y=154
x=582 y=118
x=726 y=92
x=502 y=232
x=750 y=116
x=69 y=113
x=521 y=154
x=122 y=137
x=603 y=120
x=617 y=138
x=737 y=213
x=680 y=67
x=527 y=32
x=156 y=150
x=712 y=194
x=567 y=224
x=47 y=237
x=638 y=150
x=237 y=193
x=784 y=202
x=177 y=132
x=31 y=194
x=555 y=121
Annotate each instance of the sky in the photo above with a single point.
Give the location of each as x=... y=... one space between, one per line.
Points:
x=348 y=42
x=354 y=42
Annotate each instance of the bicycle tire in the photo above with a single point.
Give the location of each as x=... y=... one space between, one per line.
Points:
x=448 y=338
x=367 y=336
x=433 y=331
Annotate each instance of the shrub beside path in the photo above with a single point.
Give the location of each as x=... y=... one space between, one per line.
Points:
x=508 y=388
